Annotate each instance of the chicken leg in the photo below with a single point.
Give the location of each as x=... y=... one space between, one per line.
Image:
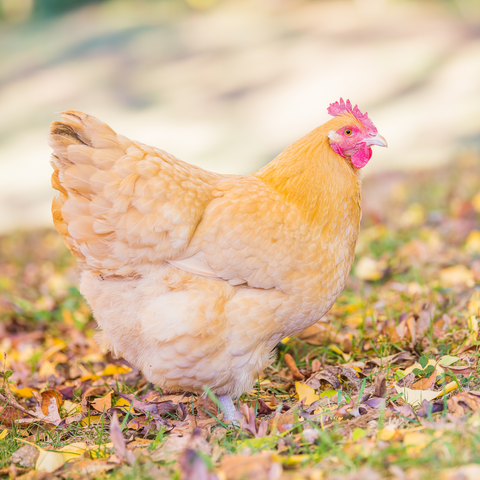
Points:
x=227 y=406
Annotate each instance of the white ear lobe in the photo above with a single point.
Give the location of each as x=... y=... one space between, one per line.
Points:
x=334 y=136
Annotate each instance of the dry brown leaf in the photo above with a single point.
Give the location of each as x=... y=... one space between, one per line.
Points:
x=89 y=468
x=262 y=466
x=95 y=391
x=426 y=383
x=119 y=442
x=26 y=456
x=52 y=417
x=318 y=334
x=290 y=361
x=380 y=385
x=457 y=405
x=9 y=414
x=206 y=407
x=174 y=446
x=316 y=365
x=47 y=395
x=104 y=403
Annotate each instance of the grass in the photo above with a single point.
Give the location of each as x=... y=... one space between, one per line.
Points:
x=413 y=293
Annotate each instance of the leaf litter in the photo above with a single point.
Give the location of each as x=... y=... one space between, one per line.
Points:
x=385 y=386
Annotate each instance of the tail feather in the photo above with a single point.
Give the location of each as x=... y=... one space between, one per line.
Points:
x=83 y=147
x=119 y=201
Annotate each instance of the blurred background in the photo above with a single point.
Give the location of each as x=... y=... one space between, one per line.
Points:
x=228 y=84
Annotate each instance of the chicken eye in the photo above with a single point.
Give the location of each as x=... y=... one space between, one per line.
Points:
x=348 y=132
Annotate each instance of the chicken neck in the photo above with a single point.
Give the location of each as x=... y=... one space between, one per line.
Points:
x=312 y=176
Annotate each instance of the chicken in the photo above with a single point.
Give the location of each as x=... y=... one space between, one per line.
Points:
x=192 y=276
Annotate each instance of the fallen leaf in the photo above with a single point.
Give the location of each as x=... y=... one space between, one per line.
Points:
x=289 y=360
x=472 y=244
x=47 y=369
x=263 y=465
x=49 y=461
x=24 y=392
x=111 y=369
x=338 y=350
x=104 y=403
x=121 y=450
x=26 y=456
x=457 y=275
x=448 y=360
x=465 y=472
x=52 y=416
x=192 y=465
x=305 y=393
x=380 y=385
x=416 y=442
x=174 y=446
x=370 y=269
x=47 y=395
x=91 y=420
x=206 y=407
x=416 y=397
x=387 y=432
x=457 y=405
x=426 y=383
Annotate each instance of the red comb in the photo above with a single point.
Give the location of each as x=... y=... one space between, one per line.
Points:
x=341 y=107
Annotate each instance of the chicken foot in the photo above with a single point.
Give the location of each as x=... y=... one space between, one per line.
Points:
x=227 y=406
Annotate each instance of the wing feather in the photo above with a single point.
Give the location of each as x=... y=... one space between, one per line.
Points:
x=122 y=204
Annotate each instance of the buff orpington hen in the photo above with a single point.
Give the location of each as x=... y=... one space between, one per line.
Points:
x=194 y=277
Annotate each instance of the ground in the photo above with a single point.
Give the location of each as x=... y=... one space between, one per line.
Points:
x=385 y=386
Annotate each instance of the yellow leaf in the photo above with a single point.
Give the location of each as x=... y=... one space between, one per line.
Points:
x=416 y=441
x=293 y=460
x=50 y=351
x=89 y=376
x=338 y=350
x=121 y=402
x=23 y=392
x=353 y=321
x=457 y=275
x=92 y=420
x=476 y=202
x=370 y=269
x=474 y=303
x=473 y=327
x=285 y=340
x=71 y=408
x=47 y=369
x=415 y=398
x=111 y=369
x=93 y=358
x=3 y=434
x=306 y=393
x=413 y=216
x=49 y=461
x=472 y=243
x=358 y=434
x=387 y=433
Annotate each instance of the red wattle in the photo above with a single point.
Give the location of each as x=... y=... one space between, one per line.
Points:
x=361 y=158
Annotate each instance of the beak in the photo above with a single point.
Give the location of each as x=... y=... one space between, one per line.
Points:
x=376 y=140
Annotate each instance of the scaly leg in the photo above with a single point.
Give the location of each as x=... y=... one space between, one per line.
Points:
x=227 y=406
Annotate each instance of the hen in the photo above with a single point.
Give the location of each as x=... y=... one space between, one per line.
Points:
x=194 y=277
